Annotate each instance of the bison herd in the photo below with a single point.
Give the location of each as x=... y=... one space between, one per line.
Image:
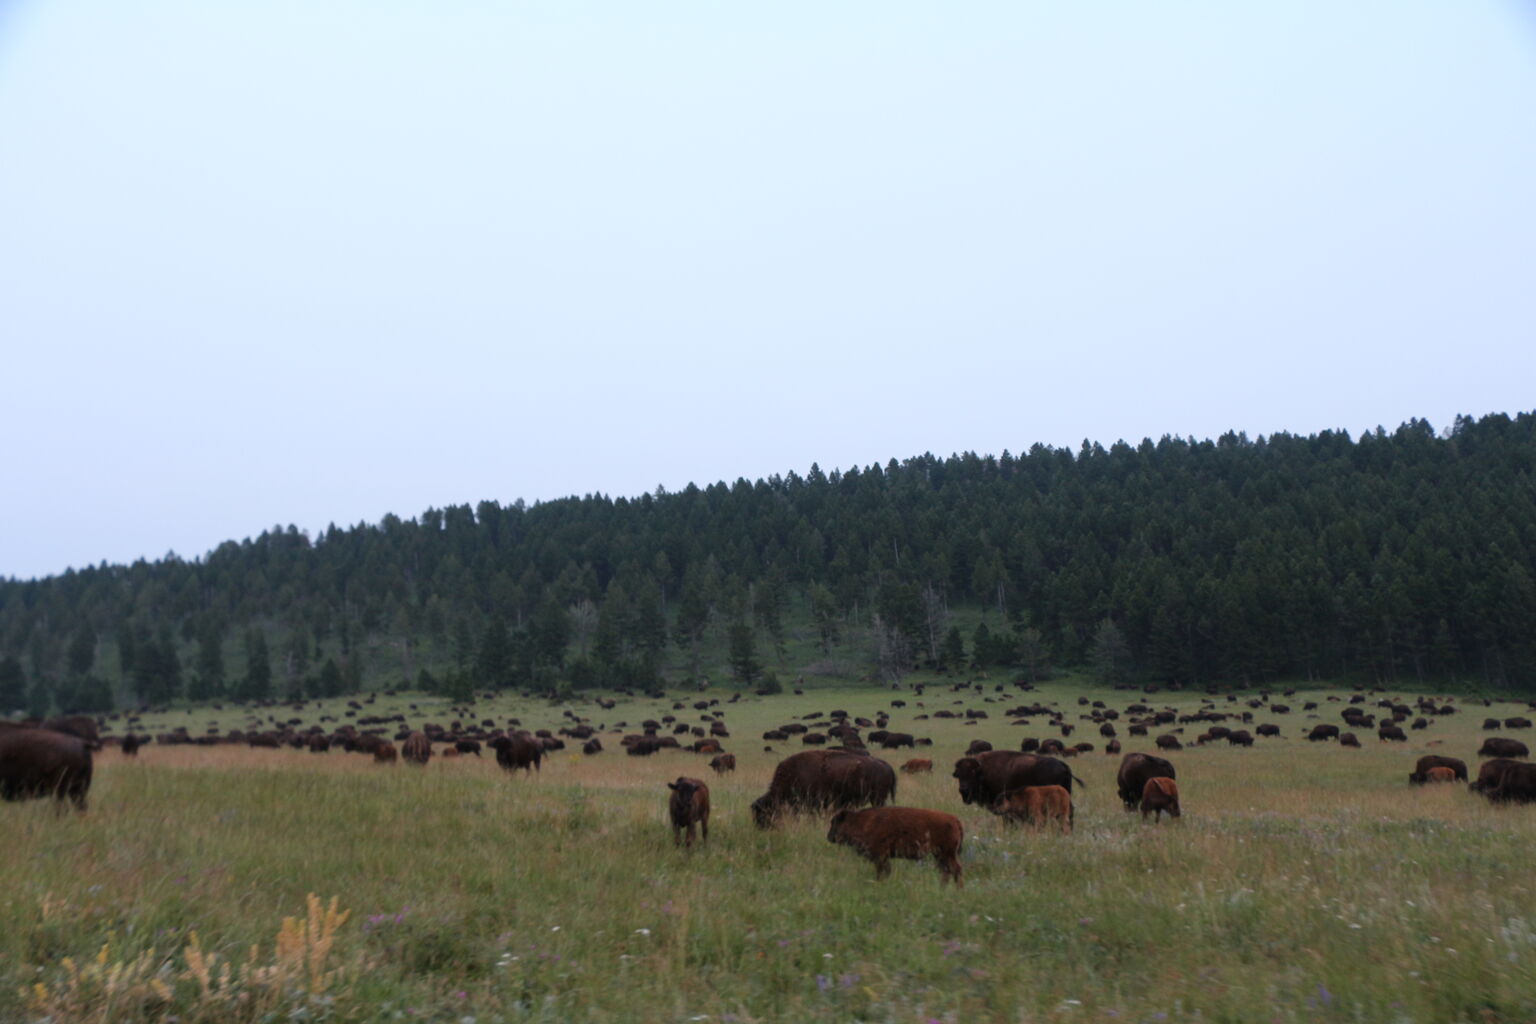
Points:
x=1032 y=785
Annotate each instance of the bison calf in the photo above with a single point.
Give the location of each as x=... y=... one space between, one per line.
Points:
x=724 y=763
x=689 y=807
x=385 y=753
x=1161 y=794
x=1440 y=773
x=910 y=833
x=1036 y=805
x=918 y=764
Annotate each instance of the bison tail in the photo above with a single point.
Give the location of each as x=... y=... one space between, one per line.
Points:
x=1077 y=780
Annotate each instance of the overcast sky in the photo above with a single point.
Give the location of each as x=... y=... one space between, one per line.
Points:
x=295 y=262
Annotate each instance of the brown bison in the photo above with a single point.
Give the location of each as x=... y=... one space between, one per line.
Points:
x=1348 y=739
x=131 y=744
x=416 y=749
x=1420 y=773
x=817 y=780
x=977 y=747
x=1489 y=773
x=1440 y=773
x=1495 y=746
x=519 y=750
x=1036 y=805
x=385 y=753
x=38 y=762
x=1161 y=794
x=1513 y=782
x=724 y=763
x=986 y=777
x=592 y=746
x=1168 y=741
x=689 y=807
x=910 y=833
x=1135 y=770
x=917 y=764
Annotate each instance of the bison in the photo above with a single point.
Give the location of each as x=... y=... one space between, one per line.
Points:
x=817 y=780
x=1440 y=773
x=385 y=753
x=1515 y=782
x=1323 y=732
x=1168 y=741
x=592 y=746
x=688 y=806
x=1160 y=794
x=1135 y=770
x=724 y=763
x=518 y=750
x=917 y=764
x=1420 y=773
x=1495 y=746
x=417 y=749
x=986 y=777
x=40 y=762
x=1489 y=774
x=1037 y=805
x=911 y=833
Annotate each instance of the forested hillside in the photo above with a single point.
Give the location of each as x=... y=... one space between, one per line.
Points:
x=1399 y=556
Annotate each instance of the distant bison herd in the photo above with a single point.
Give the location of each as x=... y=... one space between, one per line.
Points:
x=1031 y=786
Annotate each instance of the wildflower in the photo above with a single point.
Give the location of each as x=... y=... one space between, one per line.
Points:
x=642 y=931
x=826 y=956
x=823 y=982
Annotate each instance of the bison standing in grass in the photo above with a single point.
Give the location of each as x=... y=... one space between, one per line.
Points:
x=385 y=753
x=1036 y=805
x=818 y=780
x=518 y=750
x=986 y=777
x=1420 y=773
x=1135 y=770
x=38 y=762
x=688 y=807
x=1495 y=746
x=724 y=763
x=416 y=749
x=1161 y=794
x=909 y=833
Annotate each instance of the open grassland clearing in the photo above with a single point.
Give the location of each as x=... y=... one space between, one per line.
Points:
x=1305 y=882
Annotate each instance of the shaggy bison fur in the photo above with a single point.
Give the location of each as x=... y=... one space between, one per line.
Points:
x=910 y=833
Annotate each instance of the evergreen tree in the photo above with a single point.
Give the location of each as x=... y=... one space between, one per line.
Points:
x=82 y=651
x=258 y=666
x=13 y=685
x=493 y=663
x=824 y=614
x=330 y=682
x=952 y=651
x=1110 y=656
x=743 y=654
x=208 y=666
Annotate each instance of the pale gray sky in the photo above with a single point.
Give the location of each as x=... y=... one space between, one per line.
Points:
x=296 y=262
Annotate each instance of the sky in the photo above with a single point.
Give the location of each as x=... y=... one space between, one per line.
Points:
x=308 y=263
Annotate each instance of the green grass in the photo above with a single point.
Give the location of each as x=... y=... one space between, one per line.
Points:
x=1305 y=883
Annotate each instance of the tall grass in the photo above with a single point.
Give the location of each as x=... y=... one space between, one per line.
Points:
x=1305 y=883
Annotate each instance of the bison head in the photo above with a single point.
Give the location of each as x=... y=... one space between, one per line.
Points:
x=968 y=771
x=835 y=830
x=763 y=810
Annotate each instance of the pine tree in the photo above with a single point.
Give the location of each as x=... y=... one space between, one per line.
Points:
x=13 y=685
x=258 y=666
x=1109 y=655
x=952 y=650
x=743 y=654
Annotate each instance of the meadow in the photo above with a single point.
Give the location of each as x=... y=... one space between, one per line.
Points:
x=1305 y=882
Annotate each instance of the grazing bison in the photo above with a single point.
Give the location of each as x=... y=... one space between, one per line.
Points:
x=592 y=746
x=1440 y=773
x=468 y=747
x=689 y=807
x=1036 y=805
x=1161 y=794
x=1515 y=782
x=1348 y=739
x=1113 y=747
x=1489 y=773
x=518 y=750
x=910 y=833
x=1239 y=738
x=1420 y=773
x=1323 y=732
x=319 y=743
x=38 y=762
x=1495 y=746
x=917 y=764
x=1135 y=770
x=724 y=763
x=1391 y=732
x=131 y=745
x=977 y=747
x=1168 y=741
x=817 y=780
x=986 y=777
x=385 y=753
x=1268 y=729
x=416 y=749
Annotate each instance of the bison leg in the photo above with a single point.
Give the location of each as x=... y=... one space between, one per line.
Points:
x=882 y=868
x=950 y=870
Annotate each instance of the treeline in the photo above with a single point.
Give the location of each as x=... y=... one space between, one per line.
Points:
x=1401 y=556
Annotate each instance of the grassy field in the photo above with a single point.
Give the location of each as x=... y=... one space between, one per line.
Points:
x=1306 y=882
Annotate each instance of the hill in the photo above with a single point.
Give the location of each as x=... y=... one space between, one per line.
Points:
x=1401 y=556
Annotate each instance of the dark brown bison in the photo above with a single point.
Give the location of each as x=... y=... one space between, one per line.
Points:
x=890 y=741
x=910 y=833
x=1495 y=746
x=468 y=747
x=37 y=762
x=1514 y=782
x=689 y=807
x=592 y=746
x=518 y=750
x=1391 y=732
x=1323 y=732
x=1489 y=774
x=1036 y=805
x=1161 y=794
x=82 y=727
x=385 y=753
x=416 y=749
x=917 y=764
x=318 y=743
x=986 y=777
x=1113 y=747
x=1168 y=741
x=1348 y=739
x=1420 y=773
x=977 y=747
x=131 y=745
x=1240 y=738
x=818 y=780
x=723 y=763
x=1135 y=770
